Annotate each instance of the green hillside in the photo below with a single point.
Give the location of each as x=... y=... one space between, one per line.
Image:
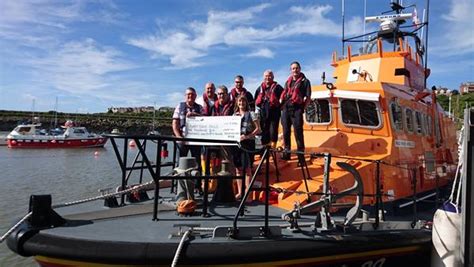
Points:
x=139 y=123
x=458 y=104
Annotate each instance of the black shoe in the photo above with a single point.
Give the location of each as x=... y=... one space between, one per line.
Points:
x=199 y=192
x=285 y=156
x=301 y=160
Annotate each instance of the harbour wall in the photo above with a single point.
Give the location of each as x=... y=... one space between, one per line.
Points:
x=96 y=123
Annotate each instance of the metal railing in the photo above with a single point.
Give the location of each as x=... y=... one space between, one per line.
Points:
x=155 y=171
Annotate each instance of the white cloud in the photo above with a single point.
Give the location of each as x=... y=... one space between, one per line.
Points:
x=79 y=67
x=219 y=23
x=312 y=71
x=264 y=52
x=28 y=97
x=185 y=48
x=172 y=99
x=177 y=47
x=39 y=22
x=459 y=24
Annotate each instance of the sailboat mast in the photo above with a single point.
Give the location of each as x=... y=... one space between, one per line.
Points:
x=154 y=111
x=33 y=111
x=56 y=113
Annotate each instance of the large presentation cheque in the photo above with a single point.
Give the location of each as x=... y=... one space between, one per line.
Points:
x=215 y=128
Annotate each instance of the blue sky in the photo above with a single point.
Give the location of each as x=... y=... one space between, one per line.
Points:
x=92 y=55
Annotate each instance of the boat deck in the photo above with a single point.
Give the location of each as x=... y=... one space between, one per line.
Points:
x=134 y=218
x=128 y=235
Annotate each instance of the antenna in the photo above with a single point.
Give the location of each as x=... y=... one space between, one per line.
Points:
x=426 y=40
x=423 y=28
x=365 y=15
x=343 y=4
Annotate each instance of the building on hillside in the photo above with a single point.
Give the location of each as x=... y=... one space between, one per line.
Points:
x=166 y=109
x=443 y=91
x=131 y=109
x=467 y=87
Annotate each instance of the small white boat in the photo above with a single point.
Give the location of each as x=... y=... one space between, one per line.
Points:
x=33 y=136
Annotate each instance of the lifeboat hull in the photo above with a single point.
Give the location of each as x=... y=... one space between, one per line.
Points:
x=57 y=143
x=371 y=248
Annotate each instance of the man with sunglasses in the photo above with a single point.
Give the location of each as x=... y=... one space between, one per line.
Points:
x=239 y=90
x=223 y=106
x=186 y=109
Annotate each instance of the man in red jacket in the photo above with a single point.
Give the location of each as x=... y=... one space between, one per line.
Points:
x=267 y=99
x=294 y=99
x=209 y=98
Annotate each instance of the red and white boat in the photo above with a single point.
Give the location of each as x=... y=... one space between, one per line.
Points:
x=33 y=136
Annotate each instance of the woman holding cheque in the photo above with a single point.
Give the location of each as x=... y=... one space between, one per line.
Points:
x=249 y=127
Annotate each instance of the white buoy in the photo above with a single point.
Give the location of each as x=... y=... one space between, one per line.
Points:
x=132 y=143
x=96 y=153
x=446 y=236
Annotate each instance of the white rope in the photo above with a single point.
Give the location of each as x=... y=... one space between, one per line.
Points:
x=203 y=229
x=134 y=188
x=457 y=176
x=180 y=247
x=460 y=167
x=13 y=228
x=119 y=193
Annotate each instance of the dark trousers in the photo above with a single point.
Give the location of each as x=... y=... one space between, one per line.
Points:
x=293 y=116
x=196 y=153
x=270 y=126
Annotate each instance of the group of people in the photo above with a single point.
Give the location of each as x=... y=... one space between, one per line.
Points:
x=274 y=103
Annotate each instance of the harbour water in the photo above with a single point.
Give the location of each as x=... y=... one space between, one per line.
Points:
x=66 y=174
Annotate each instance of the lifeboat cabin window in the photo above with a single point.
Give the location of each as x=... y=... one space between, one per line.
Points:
x=409 y=120
x=360 y=112
x=419 y=123
x=79 y=131
x=424 y=120
x=318 y=112
x=396 y=116
x=23 y=130
x=429 y=125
